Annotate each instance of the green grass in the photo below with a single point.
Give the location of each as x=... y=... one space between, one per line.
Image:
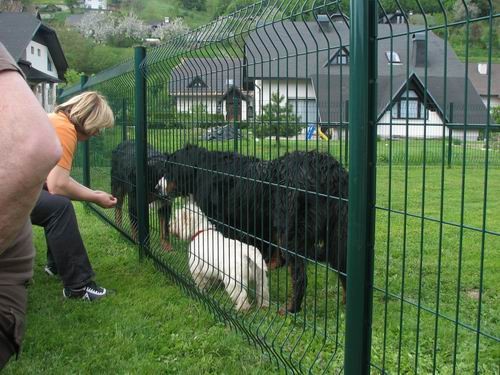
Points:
x=408 y=251
x=396 y=152
x=155 y=10
x=148 y=325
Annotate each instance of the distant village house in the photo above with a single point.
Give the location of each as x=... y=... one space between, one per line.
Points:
x=37 y=51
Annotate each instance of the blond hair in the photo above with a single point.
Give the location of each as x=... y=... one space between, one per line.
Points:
x=88 y=112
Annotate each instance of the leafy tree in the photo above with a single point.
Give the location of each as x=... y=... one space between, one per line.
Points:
x=71 y=4
x=119 y=31
x=85 y=56
x=72 y=77
x=460 y=11
x=221 y=7
x=495 y=114
x=128 y=31
x=200 y=5
x=171 y=29
x=98 y=26
x=13 y=5
x=278 y=119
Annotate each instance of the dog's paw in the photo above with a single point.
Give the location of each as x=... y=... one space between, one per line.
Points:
x=287 y=310
x=244 y=307
x=167 y=246
x=264 y=305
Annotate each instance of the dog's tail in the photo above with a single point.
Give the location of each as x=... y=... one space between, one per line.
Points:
x=258 y=269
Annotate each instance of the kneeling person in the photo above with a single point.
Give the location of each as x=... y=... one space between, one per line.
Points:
x=78 y=119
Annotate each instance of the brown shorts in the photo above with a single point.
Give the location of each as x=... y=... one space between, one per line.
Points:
x=13 y=300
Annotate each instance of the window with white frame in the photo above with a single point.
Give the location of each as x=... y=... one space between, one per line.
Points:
x=49 y=64
x=197 y=83
x=341 y=57
x=32 y=50
x=39 y=52
x=409 y=106
x=250 y=112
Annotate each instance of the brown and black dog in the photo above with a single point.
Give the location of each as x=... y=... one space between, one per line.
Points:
x=123 y=184
x=296 y=203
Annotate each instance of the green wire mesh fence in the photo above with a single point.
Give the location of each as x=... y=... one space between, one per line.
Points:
x=250 y=117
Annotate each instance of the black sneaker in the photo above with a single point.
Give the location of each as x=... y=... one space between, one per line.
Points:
x=89 y=292
x=51 y=271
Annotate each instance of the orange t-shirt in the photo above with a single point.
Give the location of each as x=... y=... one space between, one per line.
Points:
x=67 y=136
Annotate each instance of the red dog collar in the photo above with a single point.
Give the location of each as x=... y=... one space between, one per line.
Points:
x=197 y=233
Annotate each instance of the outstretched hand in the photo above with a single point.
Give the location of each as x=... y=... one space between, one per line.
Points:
x=105 y=200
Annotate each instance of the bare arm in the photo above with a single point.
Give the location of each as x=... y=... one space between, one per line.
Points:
x=60 y=182
x=29 y=148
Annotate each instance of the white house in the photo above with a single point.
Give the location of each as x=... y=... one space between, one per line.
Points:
x=309 y=67
x=479 y=75
x=212 y=86
x=37 y=50
x=96 y=4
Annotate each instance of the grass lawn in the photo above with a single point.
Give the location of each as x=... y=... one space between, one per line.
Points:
x=416 y=276
x=427 y=275
x=148 y=325
x=431 y=259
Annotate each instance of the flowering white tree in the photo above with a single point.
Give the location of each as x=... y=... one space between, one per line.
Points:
x=98 y=26
x=105 y=27
x=170 y=30
x=131 y=27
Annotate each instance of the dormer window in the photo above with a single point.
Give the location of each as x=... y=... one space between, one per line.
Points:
x=409 y=106
x=340 y=57
x=197 y=83
x=393 y=57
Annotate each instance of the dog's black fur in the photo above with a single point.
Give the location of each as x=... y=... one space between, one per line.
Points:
x=123 y=183
x=310 y=215
x=292 y=201
x=228 y=188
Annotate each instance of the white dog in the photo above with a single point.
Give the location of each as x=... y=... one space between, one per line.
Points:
x=213 y=256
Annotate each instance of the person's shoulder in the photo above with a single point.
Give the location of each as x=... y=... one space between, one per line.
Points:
x=59 y=120
x=62 y=125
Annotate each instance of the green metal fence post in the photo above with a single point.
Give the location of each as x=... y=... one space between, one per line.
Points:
x=236 y=119
x=124 y=119
x=59 y=92
x=450 y=136
x=362 y=157
x=86 y=147
x=346 y=152
x=140 y=143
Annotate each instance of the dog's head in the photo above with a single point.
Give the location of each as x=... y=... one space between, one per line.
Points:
x=187 y=220
x=180 y=170
x=165 y=188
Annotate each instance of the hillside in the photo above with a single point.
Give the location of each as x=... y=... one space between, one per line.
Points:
x=84 y=55
x=154 y=10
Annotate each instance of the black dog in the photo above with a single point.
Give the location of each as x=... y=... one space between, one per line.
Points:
x=231 y=189
x=297 y=202
x=310 y=215
x=123 y=183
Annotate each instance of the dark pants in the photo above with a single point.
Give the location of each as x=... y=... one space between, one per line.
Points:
x=66 y=251
x=13 y=300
